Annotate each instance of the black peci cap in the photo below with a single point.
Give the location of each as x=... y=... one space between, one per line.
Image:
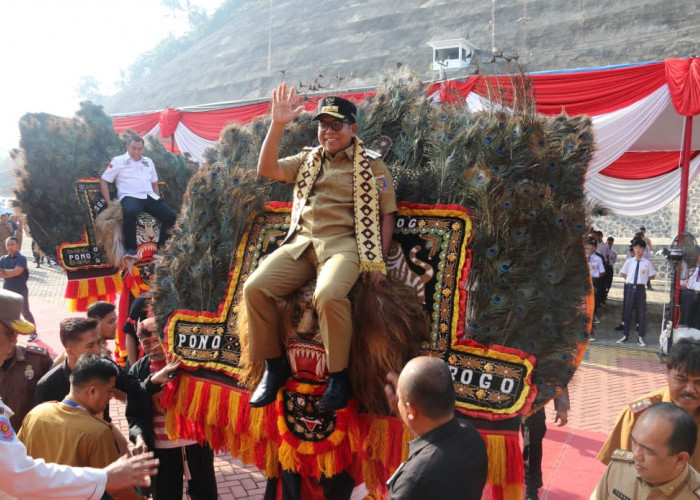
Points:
x=337 y=107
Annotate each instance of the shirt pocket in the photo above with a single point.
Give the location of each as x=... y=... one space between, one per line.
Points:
x=344 y=179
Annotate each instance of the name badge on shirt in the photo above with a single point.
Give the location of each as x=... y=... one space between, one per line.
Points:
x=619 y=494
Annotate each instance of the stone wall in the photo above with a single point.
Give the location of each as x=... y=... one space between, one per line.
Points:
x=661 y=226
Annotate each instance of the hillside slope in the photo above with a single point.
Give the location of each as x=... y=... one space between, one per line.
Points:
x=352 y=44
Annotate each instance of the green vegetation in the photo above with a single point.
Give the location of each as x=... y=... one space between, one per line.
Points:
x=169 y=48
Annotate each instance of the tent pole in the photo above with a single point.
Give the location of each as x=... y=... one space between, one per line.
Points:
x=683 y=210
x=685 y=172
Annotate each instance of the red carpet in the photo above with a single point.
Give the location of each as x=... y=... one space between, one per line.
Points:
x=48 y=317
x=569 y=467
x=570 y=470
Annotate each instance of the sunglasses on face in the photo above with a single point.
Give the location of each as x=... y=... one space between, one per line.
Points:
x=335 y=125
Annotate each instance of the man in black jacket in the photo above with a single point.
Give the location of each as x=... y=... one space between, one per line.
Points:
x=79 y=336
x=147 y=431
x=447 y=459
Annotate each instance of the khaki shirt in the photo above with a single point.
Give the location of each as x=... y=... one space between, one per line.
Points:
x=83 y=440
x=621 y=482
x=620 y=435
x=18 y=378
x=327 y=218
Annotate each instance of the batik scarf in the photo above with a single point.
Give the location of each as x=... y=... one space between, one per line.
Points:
x=368 y=234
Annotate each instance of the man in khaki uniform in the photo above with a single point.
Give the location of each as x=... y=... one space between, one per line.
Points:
x=341 y=226
x=683 y=389
x=657 y=467
x=18 y=377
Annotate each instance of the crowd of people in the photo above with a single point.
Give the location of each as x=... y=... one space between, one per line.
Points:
x=72 y=393
x=651 y=451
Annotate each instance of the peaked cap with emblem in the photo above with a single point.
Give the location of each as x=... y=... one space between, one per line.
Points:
x=11 y=310
x=337 y=107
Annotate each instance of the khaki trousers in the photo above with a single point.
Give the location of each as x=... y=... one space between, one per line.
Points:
x=279 y=275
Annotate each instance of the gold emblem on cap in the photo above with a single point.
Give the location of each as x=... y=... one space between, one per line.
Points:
x=329 y=109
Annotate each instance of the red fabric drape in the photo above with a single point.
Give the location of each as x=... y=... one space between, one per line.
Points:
x=635 y=166
x=587 y=92
x=140 y=124
x=208 y=124
x=169 y=120
x=597 y=92
x=452 y=90
x=580 y=92
x=683 y=77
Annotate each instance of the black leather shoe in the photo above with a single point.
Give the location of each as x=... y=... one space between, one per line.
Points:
x=336 y=395
x=272 y=380
x=619 y=328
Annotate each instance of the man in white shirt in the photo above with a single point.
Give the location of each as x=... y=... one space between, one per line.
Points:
x=597 y=270
x=637 y=272
x=137 y=189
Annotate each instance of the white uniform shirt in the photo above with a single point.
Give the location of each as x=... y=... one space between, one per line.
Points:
x=133 y=178
x=595 y=264
x=646 y=271
x=693 y=281
x=26 y=478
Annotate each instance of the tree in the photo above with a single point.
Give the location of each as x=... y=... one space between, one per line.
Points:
x=89 y=88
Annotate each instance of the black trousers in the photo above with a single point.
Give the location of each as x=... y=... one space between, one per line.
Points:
x=690 y=308
x=132 y=207
x=167 y=485
x=533 y=428
x=636 y=299
x=607 y=280
x=599 y=293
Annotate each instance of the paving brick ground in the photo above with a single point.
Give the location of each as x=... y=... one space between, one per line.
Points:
x=610 y=375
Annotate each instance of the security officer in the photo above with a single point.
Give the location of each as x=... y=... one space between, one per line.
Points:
x=657 y=467
x=18 y=377
x=341 y=227
x=682 y=389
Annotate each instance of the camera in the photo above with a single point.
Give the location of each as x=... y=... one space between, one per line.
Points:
x=673 y=253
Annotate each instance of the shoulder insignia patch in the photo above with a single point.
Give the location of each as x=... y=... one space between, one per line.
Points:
x=622 y=456
x=6 y=432
x=373 y=154
x=382 y=184
x=640 y=405
x=619 y=494
x=37 y=350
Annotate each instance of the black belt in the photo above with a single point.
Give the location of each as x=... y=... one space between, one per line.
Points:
x=630 y=285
